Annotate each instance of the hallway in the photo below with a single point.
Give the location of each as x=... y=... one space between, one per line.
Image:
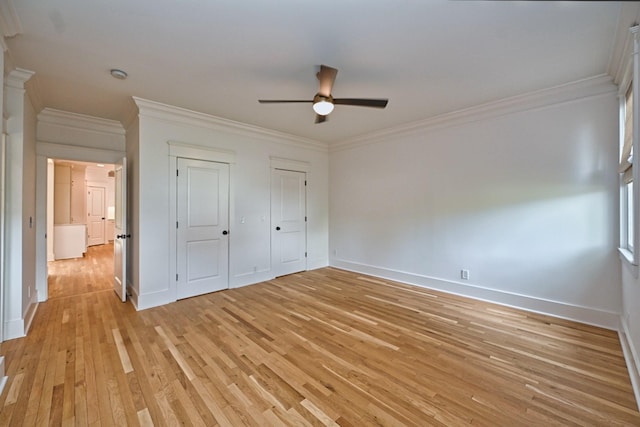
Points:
x=77 y=276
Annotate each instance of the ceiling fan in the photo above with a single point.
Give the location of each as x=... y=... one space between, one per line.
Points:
x=323 y=102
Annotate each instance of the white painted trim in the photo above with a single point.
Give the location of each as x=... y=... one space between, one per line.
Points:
x=80 y=122
x=200 y=152
x=13 y=329
x=150 y=300
x=77 y=153
x=132 y=295
x=631 y=357
x=629 y=15
x=587 y=315
x=586 y=88
x=9 y=20
x=251 y=278
x=31 y=313
x=18 y=77
x=171 y=114
x=3 y=189
x=290 y=164
x=196 y=152
x=316 y=263
x=46 y=150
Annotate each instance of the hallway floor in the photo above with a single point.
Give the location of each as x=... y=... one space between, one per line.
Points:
x=77 y=276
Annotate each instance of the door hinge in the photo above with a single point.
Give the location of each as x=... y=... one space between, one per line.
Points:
x=176 y=224
x=177 y=172
x=176 y=277
x=305 y=254
x=305 y=182
x=305 y=219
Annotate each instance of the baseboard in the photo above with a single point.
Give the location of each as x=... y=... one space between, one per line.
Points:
x=13 y=329
x=28 y=318
x=631 y=357
x=154 y=299
x=250 y=278
x=588 y=315
x=132 y=295
x=316 y=263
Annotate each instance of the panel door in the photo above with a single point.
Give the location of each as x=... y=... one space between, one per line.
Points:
x=202 y=228
x=288 y=222
x=96 y=222
x=120 y=229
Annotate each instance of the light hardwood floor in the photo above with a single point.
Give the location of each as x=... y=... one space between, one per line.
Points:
x=325 y=347
x=93 y=272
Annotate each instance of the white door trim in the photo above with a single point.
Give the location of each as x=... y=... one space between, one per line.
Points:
x=46 y=150
x=290 y=164
x=277 y=267
x=196 y=152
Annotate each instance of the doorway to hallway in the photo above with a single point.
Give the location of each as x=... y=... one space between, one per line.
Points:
x=80 y=227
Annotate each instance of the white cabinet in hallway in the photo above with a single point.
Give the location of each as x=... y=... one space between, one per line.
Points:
x=70 y=241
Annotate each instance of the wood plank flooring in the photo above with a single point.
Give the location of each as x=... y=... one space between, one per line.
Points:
x=91 y=273
x=320 y=348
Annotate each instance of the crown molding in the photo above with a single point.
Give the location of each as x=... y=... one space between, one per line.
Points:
x=10 y=24
x=80 y=122
x=586 y=88
x=18 y=77
x=169 y=113
x=33 y=92
x=623 y=41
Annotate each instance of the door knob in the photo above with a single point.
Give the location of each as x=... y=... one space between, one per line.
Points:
x=225 y=232
x=277 y=228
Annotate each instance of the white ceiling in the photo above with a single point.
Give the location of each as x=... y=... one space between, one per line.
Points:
x=219 y=57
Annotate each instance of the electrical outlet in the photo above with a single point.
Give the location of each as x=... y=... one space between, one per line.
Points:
x=464 y=274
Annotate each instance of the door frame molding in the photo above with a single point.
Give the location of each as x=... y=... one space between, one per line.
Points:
x=44 y=151
x=293 y=165
x=196 y=152
x=290 y=165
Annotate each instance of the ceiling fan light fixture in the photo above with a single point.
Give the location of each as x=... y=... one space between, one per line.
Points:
x=118 y=74
x=323 y=105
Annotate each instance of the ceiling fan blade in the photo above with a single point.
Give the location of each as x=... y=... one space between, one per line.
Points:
x=321 y=119
x=362 y=102
x=326 y=76
x=281 y=101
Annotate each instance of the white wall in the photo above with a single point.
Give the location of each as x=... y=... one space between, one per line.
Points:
x=20 y=295
x=249 y=196
x=525 y=199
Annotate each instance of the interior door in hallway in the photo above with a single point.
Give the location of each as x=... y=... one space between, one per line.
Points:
x=120 y=229
x=96 y=215
x=288 y=222
x=202 y=227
